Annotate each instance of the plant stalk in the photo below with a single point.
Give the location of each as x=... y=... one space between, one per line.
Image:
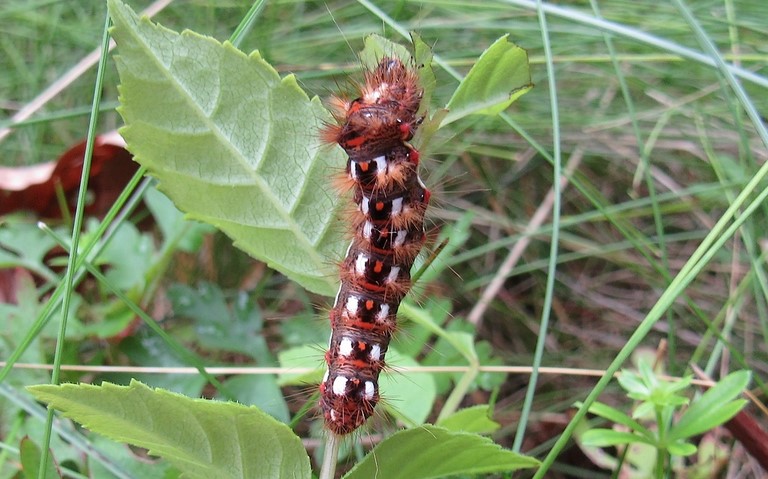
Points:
x=330 y=456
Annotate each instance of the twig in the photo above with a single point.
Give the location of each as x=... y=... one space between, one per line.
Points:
x=542 y=213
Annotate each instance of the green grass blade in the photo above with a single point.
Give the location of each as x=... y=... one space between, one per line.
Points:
x=637 y=35
x=69 y=279
x=554 y=240
x=727 y=71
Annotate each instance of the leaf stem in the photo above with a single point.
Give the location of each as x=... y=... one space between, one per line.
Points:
x=458 y=393
x=330 y=456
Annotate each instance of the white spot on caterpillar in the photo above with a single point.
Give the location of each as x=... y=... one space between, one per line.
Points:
x=352 y=305
x=374 y=95
x=367 y=230
x=333 y=415
x=375 y=352
x=360 y=263
x=397 y=206
x=381 y=316
x=345 y=347
x=353 y=170
x=365 y=205
x=370 y=390
x=325 y=376
x=400 y=239
x=381 y=163
x=339 y=385
x=393 y=273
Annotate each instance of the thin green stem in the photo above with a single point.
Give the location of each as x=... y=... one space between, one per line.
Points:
x=554 y=240
x=660 y=450
x=247 y=22
x=330 y=456
x=453 y=401
x=69 y=278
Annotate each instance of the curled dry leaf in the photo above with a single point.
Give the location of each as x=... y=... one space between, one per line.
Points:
x=34 y=188
x=746 y=429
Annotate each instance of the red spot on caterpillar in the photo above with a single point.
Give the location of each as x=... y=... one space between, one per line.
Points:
x=356 y=142
x=414 y=157
x=387 y=230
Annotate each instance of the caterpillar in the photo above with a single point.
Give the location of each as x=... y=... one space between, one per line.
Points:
x=387 y=229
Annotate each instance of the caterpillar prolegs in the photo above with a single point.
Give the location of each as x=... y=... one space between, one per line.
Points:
x=388 y=233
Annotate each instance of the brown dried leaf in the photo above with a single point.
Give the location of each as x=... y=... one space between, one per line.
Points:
x=33 y=188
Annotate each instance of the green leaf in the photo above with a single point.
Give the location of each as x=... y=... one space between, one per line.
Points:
x=681 y=448
x=422 y=58
x=464 y=344
x=232 y=144
x=301 y=357
x=24 y=244
x=429 y=451
x=235 y=327
x=679 y=385
x=713 y=408
x=456 y=234
x=499 y=77
x=203 y=439
x=130 y=255
x=262 y=391
x=409 y=397
x=608 y=437
x=618 y=417
x=632 y=383
x=476 y=419
x=644 y=410
x=377 y=47
x=123 y=459
x=177 y=231
x=30 y=455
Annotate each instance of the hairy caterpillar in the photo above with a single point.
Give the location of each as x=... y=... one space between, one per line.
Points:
x=387 y=235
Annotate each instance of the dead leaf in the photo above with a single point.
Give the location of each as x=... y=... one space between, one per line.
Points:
x=34 y=188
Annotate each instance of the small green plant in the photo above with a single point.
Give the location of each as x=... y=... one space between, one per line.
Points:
x=235 y=145
x=664 y=420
